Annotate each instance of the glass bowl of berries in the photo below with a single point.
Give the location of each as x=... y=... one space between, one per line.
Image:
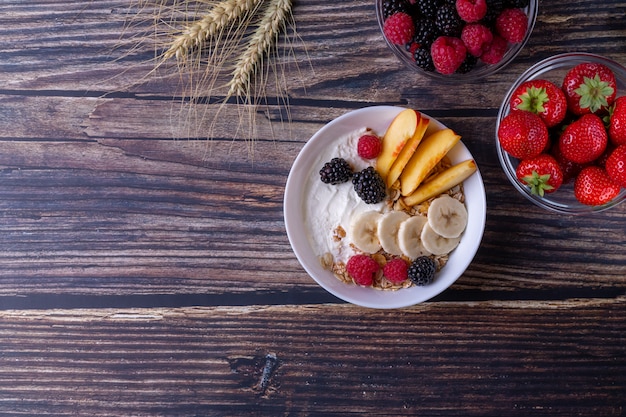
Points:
x=561 y=133
x=456 y=40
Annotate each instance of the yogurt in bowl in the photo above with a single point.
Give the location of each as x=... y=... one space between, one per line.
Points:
x=313 y=210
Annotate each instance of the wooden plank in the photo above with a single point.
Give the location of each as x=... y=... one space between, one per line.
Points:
x=504 y=358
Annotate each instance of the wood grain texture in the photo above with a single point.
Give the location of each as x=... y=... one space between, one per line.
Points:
x=510 y=358
x=145 y=270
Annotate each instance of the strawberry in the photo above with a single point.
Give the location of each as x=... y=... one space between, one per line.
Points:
x=617 y=121
x=523 y=134
x=542 y=173
x=616 y=165
x=543 y=98
x=589 y=88
x=569 y=169
x=584 y=140
x=593 y=186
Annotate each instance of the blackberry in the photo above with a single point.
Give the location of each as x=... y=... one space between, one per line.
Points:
x=369 y=185
x=428 y=8
x=468 y=64
x=494 y=8
x=391 y=7
x=425 y=32
x=516 y=4
x=422 y=271
x=336 y=171
x=448 y=21
x=423 y=59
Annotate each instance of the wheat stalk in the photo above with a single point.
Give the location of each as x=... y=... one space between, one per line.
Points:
x=262 y=40
x=194 y=36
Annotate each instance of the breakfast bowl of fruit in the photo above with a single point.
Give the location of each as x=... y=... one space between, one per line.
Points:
x=561 y=133
x=456 y=40
x=385 y=207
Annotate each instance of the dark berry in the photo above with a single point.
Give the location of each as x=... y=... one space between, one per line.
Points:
x=468 y=64
x=422 y=270
x=369 y=185
x=448 y=21
x=516 y=4
x=425 y=32
x=494 y=8
x=428 y=8
x=336 y=171
x=394 y=6
x=423 y=59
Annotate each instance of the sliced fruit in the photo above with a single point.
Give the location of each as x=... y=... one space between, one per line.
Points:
x=407 y=151
x=398 y=133
x=426 y=156
x=388 y=226
x=409 y=237
x=364 y=231
x=447 y=216
x=442 y=182
x=437 y=244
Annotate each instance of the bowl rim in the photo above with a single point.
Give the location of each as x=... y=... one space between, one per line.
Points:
x=558 y=61
x=365 y=296
x=532 y=11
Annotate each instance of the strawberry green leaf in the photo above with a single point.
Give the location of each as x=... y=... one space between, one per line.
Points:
x=533 y=100
x=538 y=183
x=593 y=93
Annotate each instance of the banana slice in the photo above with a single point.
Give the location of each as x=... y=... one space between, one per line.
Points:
x=437 y=244
x=409 y=237
x=364 y=231
x=388 y=226
x=447 y=216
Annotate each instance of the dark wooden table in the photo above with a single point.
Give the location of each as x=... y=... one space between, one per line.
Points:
x=146 y=271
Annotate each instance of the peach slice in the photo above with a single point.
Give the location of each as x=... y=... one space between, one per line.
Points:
x=432 y=149
x=407 y=151
x=441 y=182
x=401 y=129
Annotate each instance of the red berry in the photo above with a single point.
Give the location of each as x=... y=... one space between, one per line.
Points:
x=512 y=25
x=369 y=146
x=542 y=173
x=617 y=121
x=569 y=169
x=589 y=88
x=593 y=186
x=616 y=165
x=396 y=270
x=476 y=38
x=523 y=134
x=399 y=28
x=543 y=98
x=495 y=51
x=584 y=140
x=448 y=54
x=471 y=10
x=362 y=269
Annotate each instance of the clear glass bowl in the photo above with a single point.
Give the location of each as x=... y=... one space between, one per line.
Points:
x=481 y=70
x=554 y=69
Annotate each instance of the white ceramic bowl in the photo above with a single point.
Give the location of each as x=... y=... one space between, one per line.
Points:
x=305 y=169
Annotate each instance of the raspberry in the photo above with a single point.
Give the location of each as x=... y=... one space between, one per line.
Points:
x=471 y=10
x=448 y=54
x=512 y=25
x=476 y=38
x=399 y=28
x=496 y=50
x=422 y=271
x=369 y=146
x=396 y=270
x=362 y=269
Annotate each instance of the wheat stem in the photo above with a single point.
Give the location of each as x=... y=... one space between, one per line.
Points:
x=263 y=38
x=198 y=32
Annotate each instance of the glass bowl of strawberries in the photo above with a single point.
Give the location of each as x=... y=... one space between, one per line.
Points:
x=561 y=133
x=456 y=40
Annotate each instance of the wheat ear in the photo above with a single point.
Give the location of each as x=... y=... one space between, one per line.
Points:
x=210 y=25
x=264 y=37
